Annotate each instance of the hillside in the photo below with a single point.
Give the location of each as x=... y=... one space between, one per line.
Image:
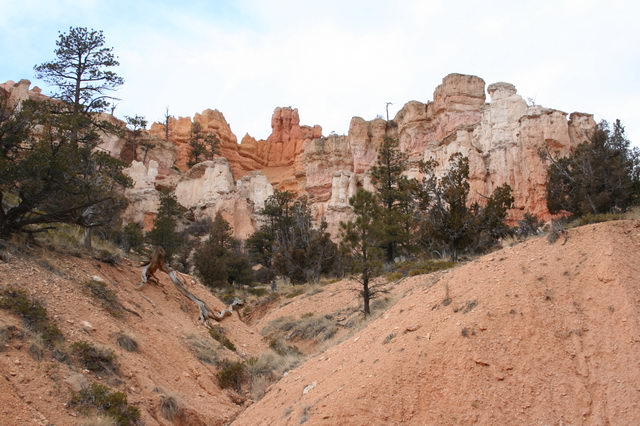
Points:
x=37 y=392
x=537 y=333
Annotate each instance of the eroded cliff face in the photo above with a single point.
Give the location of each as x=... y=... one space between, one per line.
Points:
x=502 y=138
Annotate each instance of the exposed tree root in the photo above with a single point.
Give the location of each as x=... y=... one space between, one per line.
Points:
x=157 y=262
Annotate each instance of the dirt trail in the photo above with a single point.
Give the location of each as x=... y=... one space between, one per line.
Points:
x=538 y=333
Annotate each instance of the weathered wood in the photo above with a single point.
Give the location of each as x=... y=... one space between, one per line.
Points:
x=157 y=262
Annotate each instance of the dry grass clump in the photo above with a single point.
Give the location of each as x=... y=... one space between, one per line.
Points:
x=93 y=358
x=202 y=348
x=308 y=327
x=269 y=367
x=417 y=267
x=98 y=399
x=33 y=314
x=106 y=296
x=99 y=420
x=127 y=342
x=218 y=334
x=170 y=408
x=7 y=334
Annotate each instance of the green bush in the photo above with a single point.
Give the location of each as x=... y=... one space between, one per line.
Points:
x=97 y=397
x=258 y=291
x=131 y=237
x=598 y=218
x=232 y=374
x=217 y=333
x=99 y=360
x=32 y=313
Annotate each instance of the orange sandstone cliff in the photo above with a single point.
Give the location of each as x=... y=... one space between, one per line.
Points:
x=501 y=135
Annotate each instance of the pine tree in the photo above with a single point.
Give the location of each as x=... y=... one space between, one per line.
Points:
x=164 y=233
x=136 y=125
x=202 y=146
x=394 y=193
x=82 y=70
x=361 y=242
x=212 y=259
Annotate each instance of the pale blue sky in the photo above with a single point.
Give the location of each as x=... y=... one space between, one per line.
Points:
x=336 y=59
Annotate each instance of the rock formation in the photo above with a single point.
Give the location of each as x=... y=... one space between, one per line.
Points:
x=502 y=139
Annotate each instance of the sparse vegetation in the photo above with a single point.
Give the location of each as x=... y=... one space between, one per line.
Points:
x=203 y=349
x=127 y=342
x=597 y=218
x=170 y=408
x=232 y=374
x=282 y=349
x=556 y=229
x=270 y=366
x=314 y=327
x=36 y=350
x=418 y=267
x=108 y=299
x=7 y=334
x=600 y=176
x=99 y=399
x=93 y=358
x=294 y=293
x=218 y=334
x=258 y=291
x=389 y=338
x=32 y=313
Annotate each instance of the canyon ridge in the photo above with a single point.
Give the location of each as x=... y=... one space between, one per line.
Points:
x=501 y=134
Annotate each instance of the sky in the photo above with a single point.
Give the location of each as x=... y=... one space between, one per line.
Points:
x=335 y=59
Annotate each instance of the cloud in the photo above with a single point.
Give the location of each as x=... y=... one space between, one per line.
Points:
x=337 y=59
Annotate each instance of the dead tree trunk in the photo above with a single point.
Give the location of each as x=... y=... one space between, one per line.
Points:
x=157 y=262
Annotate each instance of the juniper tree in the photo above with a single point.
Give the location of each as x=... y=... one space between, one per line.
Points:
x=47 y=177
x=212 y=258
x=289 y=243
x=448 y=222
x=600 y=176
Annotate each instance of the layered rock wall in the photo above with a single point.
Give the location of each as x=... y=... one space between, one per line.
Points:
x=501 y=137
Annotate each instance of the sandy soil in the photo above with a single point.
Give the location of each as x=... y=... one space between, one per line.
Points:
x=34 y=392
x=538 y=333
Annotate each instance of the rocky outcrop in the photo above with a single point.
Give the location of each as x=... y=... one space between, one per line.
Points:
x=501 y=137
x=208 y=188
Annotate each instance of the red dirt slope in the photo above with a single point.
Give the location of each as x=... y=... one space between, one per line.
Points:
x=538 y=333
x=33 y=392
